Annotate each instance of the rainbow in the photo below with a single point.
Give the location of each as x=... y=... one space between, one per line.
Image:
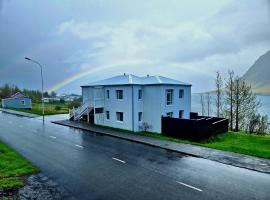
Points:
x=79 y=75
x=92 y=70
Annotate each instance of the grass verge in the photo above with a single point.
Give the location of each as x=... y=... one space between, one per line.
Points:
x=240 y=142
x=49 y=109
x=12 y=168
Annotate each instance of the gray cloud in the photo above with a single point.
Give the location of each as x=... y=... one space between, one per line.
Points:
x=190 y=39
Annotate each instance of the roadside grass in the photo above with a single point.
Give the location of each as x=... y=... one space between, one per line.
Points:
x=240 y=142
x=12 y=168
x=49 y=108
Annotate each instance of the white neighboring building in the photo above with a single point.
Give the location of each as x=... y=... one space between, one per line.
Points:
x=126 y=101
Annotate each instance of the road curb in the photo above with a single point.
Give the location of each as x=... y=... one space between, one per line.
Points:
x=18 y=113
x=223 y=161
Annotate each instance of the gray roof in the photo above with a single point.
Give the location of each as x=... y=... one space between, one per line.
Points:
x=136 y=80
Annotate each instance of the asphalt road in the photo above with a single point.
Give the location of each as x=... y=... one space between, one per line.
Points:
x=94 y=166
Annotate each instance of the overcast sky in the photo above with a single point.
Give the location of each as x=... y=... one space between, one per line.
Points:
x=185 y=40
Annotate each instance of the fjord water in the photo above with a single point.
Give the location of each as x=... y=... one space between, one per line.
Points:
x=196 y=105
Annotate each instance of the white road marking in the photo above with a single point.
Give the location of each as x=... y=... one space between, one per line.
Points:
x=189 y=186
x=79 y=146
x=119 y=160
x=53 y=137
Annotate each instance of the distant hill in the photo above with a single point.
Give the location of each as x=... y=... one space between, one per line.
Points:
x=258 y=75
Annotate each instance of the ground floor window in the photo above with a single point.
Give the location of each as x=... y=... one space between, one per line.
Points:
x=23 y=102
x=169 y=114
x=181 y=114
x=119 y=116
x=107 y=114
x=99 y=110
x=139 y=116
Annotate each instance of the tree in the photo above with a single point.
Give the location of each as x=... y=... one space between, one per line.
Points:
x=202 y=104
x=53 y=94
x=245 y=102
x=229 y=98
x=219 y=85
x=258 y=124
x=208 y=101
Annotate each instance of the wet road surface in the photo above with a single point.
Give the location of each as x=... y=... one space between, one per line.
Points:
x=94 y=166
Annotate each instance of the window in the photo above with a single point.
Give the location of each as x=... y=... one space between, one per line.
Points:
x=119 y=116
x=139 y=116
x=108 y=94
x=107 y=114
x=170 y=114
x=119 y=94
x=169 y=96
x=181 y=94
x=140 y=94
x=99 y=110
x=181 y=114
x=23 y=102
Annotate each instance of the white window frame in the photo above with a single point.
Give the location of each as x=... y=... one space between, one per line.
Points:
x=169 y=114
x=107 y=115
x=181 y=93
x=140 y=94
x=169 y=101
x=23 y=102
x=139 y=116
x=182 y=114
x=118 y=120
x=118 y=92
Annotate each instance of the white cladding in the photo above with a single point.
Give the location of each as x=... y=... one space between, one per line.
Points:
x=152 y=105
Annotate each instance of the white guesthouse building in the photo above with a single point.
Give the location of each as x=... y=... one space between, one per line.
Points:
x=128 y=101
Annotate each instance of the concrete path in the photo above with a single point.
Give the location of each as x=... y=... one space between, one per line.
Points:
x=230 y=158
x=14 y=112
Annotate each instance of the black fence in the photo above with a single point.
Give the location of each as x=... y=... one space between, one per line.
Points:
x=194 y=129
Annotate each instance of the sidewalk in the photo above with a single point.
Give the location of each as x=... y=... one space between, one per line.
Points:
x=14 y=112
x=229 y=158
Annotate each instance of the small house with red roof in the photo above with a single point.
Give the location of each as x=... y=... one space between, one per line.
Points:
x=17 y=101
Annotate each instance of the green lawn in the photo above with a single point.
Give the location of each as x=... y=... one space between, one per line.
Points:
x=254 y=145
x=240 y=142
x=12 y=167
x=49 y=108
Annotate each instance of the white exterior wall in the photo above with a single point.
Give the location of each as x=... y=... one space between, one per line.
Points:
x=115 y=105
x=152 y=107
x=178 y=103
x=153 y=104
x=138 y=106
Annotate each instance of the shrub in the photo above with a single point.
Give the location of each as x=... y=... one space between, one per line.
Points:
x=57 y=108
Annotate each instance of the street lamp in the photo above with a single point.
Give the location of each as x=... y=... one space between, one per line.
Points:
x=41 y=73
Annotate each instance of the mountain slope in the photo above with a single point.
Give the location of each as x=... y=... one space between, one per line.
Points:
x=258 y=75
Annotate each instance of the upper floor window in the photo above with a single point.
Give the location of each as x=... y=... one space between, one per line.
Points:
x=181 y=93
x=107 y=94
x=140 y=94
x=169 y=114
x=169 y=96
x=139 y=116
x=181 y=114
x=119 y=116
x=119 y=94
